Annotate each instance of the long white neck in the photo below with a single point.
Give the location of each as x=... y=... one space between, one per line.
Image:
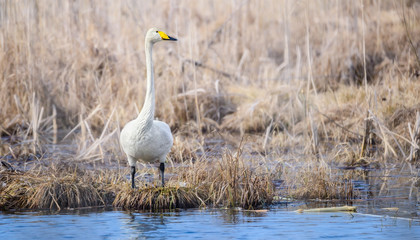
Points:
x=147 y=113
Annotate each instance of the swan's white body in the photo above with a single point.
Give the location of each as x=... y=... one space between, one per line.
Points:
x=144 y=138
x=150 y=145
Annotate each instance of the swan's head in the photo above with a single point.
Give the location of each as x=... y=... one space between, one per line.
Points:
x=154 y=36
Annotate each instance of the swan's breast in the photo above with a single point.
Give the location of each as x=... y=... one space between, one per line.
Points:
x=150 y=145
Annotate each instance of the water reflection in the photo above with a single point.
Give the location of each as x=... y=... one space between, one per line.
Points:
x=229 y=216
x=145 y=224
x=186 y=223
x=235 y=216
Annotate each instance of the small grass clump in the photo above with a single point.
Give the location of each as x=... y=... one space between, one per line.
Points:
x=48 y=191
x=158 y=198
x=12 y=191
x=231 y=180
x=236 y=183
x=65 y=193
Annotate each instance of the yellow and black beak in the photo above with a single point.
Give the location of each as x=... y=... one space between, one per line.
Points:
x=164 y=36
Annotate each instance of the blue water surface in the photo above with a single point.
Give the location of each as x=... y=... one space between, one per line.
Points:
x=204 y=224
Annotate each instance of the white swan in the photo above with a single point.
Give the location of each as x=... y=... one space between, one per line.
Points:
x=144 y=138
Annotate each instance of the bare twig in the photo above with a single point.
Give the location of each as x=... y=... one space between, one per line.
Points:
x=338 y=125
x=201 y=65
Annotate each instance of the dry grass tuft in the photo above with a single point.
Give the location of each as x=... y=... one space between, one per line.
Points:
x=243 y=188
x=65 y=193
x=13 y=191
x=48 y=191
x=233 y=181
x=158 y=198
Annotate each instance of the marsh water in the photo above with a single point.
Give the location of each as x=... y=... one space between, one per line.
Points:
x=276 y=223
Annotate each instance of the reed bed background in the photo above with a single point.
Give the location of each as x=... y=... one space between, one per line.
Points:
x=255 y=92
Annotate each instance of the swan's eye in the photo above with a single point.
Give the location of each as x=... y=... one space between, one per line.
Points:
x=157 y=31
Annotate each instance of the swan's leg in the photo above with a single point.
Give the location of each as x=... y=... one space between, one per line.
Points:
x=162 y=171
x=132 y=163
x=133 y=172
